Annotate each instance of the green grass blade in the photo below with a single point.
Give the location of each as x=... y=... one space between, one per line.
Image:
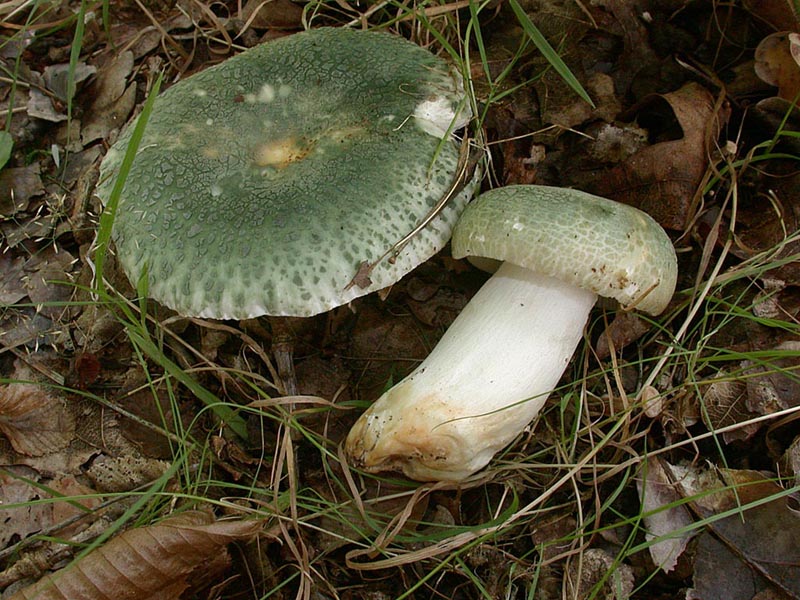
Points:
x=548 y=51
x=110 y=212
x=74 y=56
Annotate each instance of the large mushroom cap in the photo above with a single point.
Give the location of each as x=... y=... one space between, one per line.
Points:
x=608 y=248
x=263 y=183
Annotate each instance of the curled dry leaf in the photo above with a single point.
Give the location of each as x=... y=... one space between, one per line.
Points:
x=791 y=460
x=154 y=562
x=664 y=515
x=34 y=419
x=776 y=63
x=662 y=179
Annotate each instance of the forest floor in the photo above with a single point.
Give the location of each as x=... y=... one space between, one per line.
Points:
x=148 y=455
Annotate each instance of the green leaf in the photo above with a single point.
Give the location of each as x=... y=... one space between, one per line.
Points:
x=548 y=51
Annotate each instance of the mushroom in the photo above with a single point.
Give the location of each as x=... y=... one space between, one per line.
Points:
x=492 y=371
x=280 y=181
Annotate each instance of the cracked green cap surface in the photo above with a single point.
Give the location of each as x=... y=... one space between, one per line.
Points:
x=263 y=183
x=612 y=249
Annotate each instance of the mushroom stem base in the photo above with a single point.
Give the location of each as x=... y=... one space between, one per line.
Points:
x=483 y=383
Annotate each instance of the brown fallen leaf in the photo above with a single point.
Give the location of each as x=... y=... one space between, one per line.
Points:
x=17 y=187
x=725 y=404
x=598 y=568
x=762 y=222
x=664 y=515
x=780 y=15
x=268 y=14
x=20 y=521
x=155 y=562
x=23 y=513
x=756 y=390
x=12 y=288
x=626 y=328
x=776 y=64
x=750 y=551
x=48 y=277
x=113 y=101
x=662 y=179
x=35 y=419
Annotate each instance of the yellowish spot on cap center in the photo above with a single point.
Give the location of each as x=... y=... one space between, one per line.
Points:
x=279 y=153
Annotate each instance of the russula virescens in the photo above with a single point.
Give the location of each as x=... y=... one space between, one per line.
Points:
x=492 y=371
x=265 y=184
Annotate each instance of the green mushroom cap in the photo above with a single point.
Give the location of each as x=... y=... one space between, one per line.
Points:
x=262 y=184
x=612 y=249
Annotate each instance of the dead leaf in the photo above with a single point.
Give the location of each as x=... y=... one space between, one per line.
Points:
x=6 y=148
x=776 y=65
x=268 y=14
x=440 y=310
x=749 y=551
x=27 y=488
x=154 y=562
x=757 y=390
x=17 y=187
x=595 y=566
x=42 y=106
x=656 y=492
x=113 y=99
x=56 y=78
x=626 y=328
x=774 y=387
x=35 y=419
x=20 y=521
x=780 y=15
x=724 y=403
x=48 y=281
x=26 y=327
x=124 y=473
x=552 y=533
x=570 y=111
x=662 y=179
x=765 y=220
x=791 y=460
x=387 y=347
x=12 y=289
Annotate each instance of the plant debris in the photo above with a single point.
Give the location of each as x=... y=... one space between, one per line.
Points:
x=666 y=465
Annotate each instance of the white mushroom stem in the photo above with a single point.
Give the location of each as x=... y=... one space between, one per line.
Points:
x=484 y=382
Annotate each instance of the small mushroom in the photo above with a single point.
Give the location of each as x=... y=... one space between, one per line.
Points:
x=492 y=371
x=279 y=181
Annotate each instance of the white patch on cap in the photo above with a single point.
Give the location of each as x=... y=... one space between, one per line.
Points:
x=435 y=116
x=266 y=94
